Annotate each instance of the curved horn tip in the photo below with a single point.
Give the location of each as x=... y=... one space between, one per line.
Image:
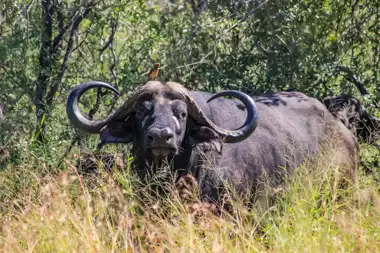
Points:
x=77 y=119
x=250 y=124
x=85 y=86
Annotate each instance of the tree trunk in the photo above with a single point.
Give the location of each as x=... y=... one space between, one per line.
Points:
x=44 y=76
x=50 y=75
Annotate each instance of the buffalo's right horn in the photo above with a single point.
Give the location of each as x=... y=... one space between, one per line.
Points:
x=80 y=121
x=77 y=119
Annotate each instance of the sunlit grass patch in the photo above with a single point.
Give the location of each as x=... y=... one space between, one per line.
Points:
x=106 y=219
x=313 y=216
x=107 y=212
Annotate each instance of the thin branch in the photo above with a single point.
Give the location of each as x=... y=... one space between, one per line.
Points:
x=193 y=6
x=351 y=76
x=87 y=32
x=95 y=109
x=110 y=38
x=60 y=16
x=247 y=16
x=26 y=9
x=109 y=44
x=114 y=58
x=54 y=88
x=58 y=39
x=195 y=27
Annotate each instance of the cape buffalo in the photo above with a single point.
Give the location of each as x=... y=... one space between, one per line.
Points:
x=191 y=130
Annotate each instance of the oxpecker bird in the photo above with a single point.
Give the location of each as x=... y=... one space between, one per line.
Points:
x=153 y=74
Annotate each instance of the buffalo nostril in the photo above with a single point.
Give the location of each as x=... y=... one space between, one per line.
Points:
x=168 y=134
x=152 y=135
x=169 y=137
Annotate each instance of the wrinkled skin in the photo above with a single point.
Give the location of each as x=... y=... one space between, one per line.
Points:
x=291 y=127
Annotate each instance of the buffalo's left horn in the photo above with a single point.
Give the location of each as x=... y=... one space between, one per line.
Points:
x=230 y=136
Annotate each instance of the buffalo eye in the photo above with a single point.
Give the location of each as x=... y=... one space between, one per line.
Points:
x=143 y=108
x=179 y=109
x=180 y=114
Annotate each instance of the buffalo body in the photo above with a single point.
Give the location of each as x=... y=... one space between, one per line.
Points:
x=279 y=131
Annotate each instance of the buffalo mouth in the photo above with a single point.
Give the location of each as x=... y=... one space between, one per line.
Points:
x=162 y=152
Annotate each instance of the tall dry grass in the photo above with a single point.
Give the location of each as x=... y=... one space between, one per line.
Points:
x=106 y=212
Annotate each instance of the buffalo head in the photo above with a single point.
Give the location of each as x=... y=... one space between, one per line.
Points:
x=159 y=118
x=354 y=116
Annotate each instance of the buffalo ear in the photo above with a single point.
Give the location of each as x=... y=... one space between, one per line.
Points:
x=205 y=138
x=117 y=132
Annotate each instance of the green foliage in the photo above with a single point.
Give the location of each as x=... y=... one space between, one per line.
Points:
x=370 y=162
x=251 y=46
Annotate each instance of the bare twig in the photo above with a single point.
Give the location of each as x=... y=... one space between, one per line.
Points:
x=92 y=112
x=109 y=42
x=60 y=16
x=62 y=69
x=109 y=45
x=246 y=16
x=351 y=76
x=58 y=38
x=87 y=32
x=198 y=8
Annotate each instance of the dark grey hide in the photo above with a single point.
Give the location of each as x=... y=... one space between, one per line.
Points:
x=290 y=127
